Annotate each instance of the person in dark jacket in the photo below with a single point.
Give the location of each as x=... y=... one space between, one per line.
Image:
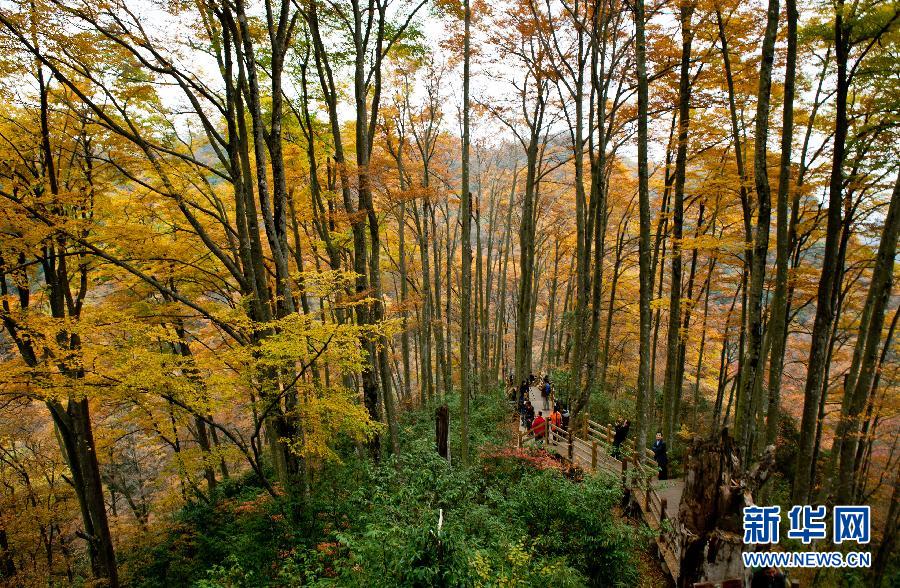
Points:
x=529 y=415
x=660 y=456
x=768 y=578
x=621 y=433
x=523 y=400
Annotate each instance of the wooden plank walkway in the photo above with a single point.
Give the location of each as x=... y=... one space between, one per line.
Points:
x=591 y=449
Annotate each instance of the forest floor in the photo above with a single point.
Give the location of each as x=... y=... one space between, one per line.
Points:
x=511 y=518
x=650 y=572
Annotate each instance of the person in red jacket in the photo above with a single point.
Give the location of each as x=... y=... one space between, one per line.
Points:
x=539 y=426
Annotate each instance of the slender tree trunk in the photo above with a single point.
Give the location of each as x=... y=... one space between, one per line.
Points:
x=862 y=370
x=273 y=217
x=888 y=537
x=753 y=363
x=644 y=380
x=551 y=309
x=524 y=303
x=441 y=381
x=617 y=264
x=404 y=298
x=867 y=432
x=685 y=327
x=686 y=11
x=359 y=217
x=824 y=301
x=582 y=239
x=465 y=292
x=746 y=205
x=561 y=332
x=480 y=365
x=699 y=372
x=501 y=285
x=659 y=246
x=778 y=322
x=427 y=381
x=724 y=363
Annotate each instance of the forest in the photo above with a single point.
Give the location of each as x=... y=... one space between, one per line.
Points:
x=249 y=248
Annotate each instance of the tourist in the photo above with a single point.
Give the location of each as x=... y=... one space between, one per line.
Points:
x=523 y=389
x=768 y=578
x=545 y=393
x=621 y=433
x=529 y=415
x=556 y=421
x=661 y=457
x=539 y=426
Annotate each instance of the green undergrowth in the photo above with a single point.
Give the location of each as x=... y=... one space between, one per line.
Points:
x=509 y=519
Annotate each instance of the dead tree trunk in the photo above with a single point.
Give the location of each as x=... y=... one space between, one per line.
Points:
x=716 y=490
x=442 y=431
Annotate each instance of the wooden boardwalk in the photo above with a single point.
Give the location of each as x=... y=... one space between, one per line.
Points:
x=591 y=449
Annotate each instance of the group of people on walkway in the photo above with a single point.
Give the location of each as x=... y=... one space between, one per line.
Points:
x=557 y=415
x=545 y=428
x=539 y=421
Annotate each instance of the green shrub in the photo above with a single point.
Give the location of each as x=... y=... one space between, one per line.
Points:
x=412 y=520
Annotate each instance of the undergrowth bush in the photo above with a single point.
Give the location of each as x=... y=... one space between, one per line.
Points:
x=510 y=519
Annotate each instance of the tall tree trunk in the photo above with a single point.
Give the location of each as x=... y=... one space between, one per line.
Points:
x=746 y=206
x=778 y=322
x=752 y=366
x=524 y=303
x=442 y=385
x=561 y=332
x=551 y=310
x=448 y=277
x=644 y=381
x=480 y=302
x=465 y=291
x=587 y=348
x=862 y=370
x=274 y=218
x=672 y=386
x=659 y=245
x=358 y=218
x=582 y=239
x=72 y=422
x=888 y=537
x=404 y=300
x=812 y=396
x=685 y=326
x=724 y=362
x=501 y=285
x=699 y=372
x=616 y=270
x=427 y=380
x=868 y=426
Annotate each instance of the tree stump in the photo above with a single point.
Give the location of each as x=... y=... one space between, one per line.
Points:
x=710 y=516
x=442 y=431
